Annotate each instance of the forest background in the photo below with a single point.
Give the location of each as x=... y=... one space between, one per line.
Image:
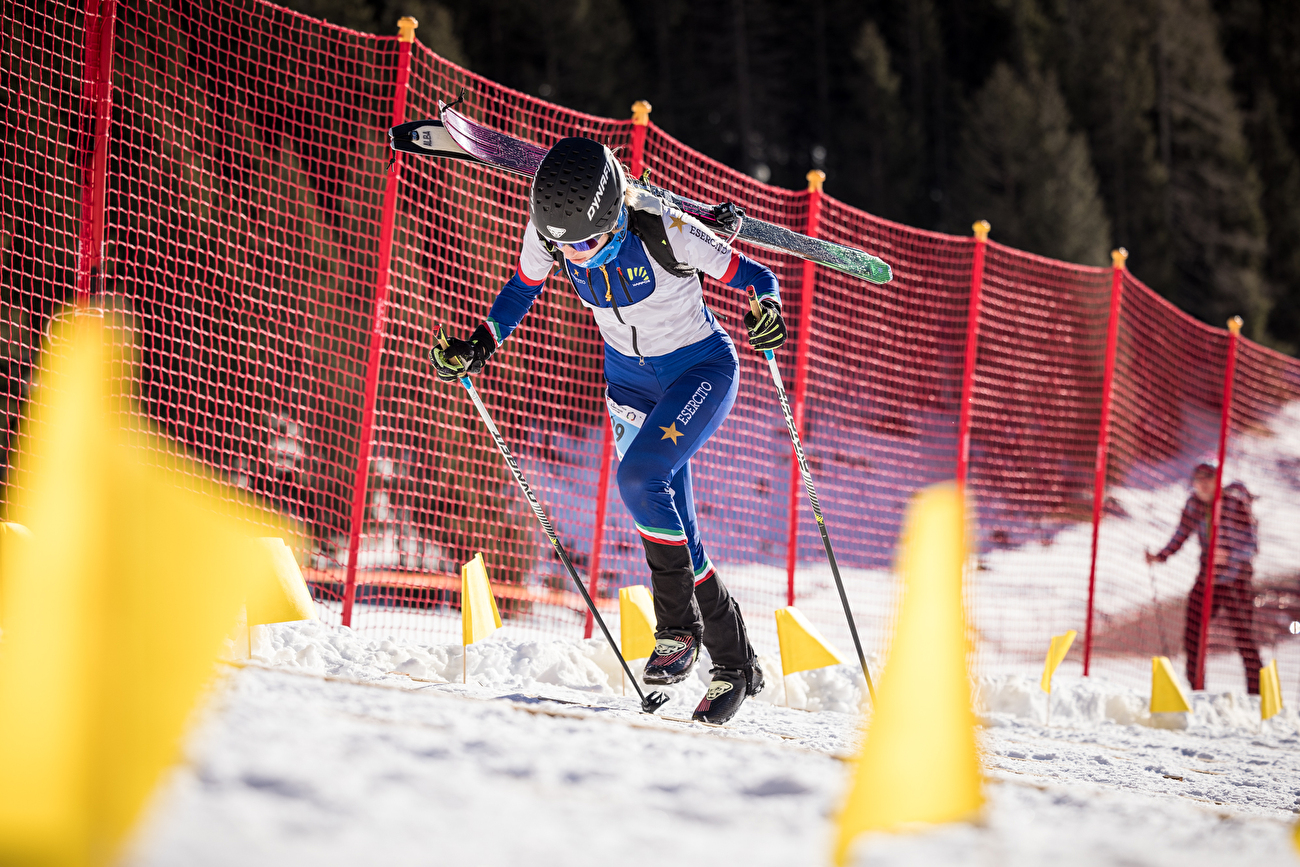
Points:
x=1168 y=127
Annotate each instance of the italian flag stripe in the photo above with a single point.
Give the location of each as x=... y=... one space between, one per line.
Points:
x=495 y=329
x=703 y=573
x=667 y=537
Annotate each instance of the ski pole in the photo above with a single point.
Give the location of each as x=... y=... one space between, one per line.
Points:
x=649 y=703
x=812 y=497
x=1155 y=607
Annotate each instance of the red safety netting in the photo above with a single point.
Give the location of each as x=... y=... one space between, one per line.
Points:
x=1035 y=415
x=41 y=184
x=245 y=222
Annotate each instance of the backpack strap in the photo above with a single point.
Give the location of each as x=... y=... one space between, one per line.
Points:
x=649 y=227
x=552 y=248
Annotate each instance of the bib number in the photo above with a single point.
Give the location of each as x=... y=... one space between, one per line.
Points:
x=626 y=423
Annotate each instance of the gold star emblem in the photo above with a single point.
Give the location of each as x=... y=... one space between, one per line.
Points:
x=679 y=220
x=671 y=433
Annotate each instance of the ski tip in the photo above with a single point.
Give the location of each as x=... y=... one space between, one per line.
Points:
x=878 y=271
x=655 y=700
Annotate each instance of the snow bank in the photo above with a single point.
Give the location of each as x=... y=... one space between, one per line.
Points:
x=338 y=651
x=585 y=665
x=1089 y=702
x=589 y=667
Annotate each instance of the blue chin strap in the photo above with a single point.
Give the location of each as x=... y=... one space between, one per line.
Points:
x=608 y=252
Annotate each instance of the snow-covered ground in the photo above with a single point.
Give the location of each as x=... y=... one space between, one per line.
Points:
x=333 y=748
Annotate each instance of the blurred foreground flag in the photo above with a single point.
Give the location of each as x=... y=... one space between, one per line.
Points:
x=479 y=616
x=1056 y=652
x=1270 y=691
x=278 y=594
x=115 y=611
x=918 y=762
x=1166 y=695
x=636 y=621
x=802 y=646
x=12 y=536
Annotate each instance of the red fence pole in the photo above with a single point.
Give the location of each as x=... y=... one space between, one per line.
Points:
x=981 y=229
x=1225 y=419
x=807 y=295
x=406 y=35
x=97 y=93
x=1117 y=258
x=640 y=125
x=598 y=534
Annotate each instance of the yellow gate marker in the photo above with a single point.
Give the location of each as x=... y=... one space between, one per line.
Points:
x=115 y=609
x=1056 y=652
x=803 y=647
x=479 y=616
x=918 y=761
x=1270 y=691
x=1166 y=695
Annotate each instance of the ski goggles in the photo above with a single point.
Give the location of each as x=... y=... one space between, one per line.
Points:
x=594 y=242
x=584 y=246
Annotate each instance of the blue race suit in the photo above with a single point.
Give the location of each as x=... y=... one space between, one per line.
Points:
x=671 y=374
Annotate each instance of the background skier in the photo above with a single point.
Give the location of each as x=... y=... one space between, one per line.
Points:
x=1234 y=595
x=671 y=373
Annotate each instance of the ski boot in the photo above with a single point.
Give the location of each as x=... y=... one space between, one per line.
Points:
x=674 y=657
x=729 y=689
x=754 y=677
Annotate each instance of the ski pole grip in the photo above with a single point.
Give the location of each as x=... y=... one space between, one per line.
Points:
x=440 y=337
x=754 y=306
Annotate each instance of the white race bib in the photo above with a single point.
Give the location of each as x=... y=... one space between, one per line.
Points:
x=626 y=423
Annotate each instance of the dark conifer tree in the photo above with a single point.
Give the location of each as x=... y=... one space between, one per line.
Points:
x=1100 y=52
x=1212 y=211
x=1022 y=168
x=1262 y=41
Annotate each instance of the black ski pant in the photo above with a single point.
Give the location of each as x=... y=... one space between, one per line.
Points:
x=706 y=610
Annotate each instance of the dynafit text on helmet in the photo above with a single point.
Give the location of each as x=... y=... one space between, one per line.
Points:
x=635 y=256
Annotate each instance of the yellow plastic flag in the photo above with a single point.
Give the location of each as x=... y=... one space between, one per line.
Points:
x=1056 y=652
x=479 y=616
x=1167 y=695
x=278 y=594
x=11 y=536
x=1270 y=691
x=116 y=610
x=636 y=621
x=802 y=646
x=918 y=761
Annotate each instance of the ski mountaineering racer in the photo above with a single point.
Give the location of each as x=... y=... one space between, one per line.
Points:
x=671 y=373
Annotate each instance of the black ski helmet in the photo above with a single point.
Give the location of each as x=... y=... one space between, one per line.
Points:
x=577 y=192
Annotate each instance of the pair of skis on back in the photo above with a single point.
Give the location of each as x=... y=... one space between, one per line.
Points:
x=454 y=136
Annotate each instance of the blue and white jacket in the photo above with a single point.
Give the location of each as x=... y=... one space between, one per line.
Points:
x=642 y=309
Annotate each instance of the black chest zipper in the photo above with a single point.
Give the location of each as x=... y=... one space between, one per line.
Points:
x=609 y=296
x=622 y=281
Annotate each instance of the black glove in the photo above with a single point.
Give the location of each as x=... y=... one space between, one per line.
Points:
x=767 y=332
x=463 y=357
